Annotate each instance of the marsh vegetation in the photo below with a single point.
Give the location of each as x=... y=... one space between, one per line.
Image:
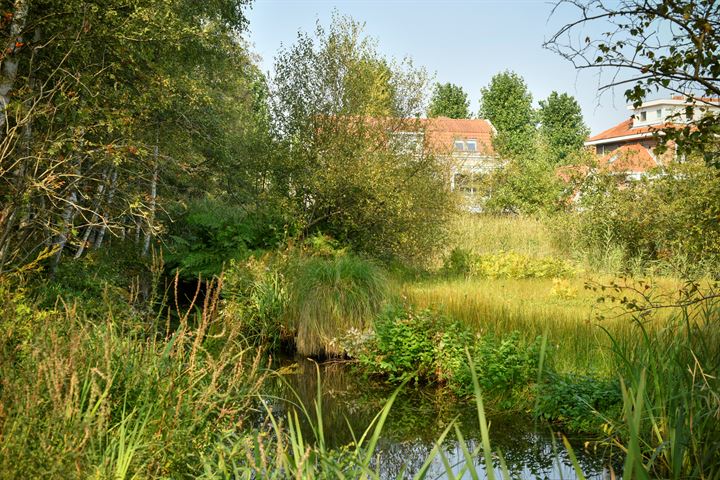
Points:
x=174 y=225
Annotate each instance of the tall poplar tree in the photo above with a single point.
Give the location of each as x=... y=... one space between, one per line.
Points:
x=449 y=100
x=507 y=103
x=562 y=128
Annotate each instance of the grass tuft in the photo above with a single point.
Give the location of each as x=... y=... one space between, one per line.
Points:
x=328 y=297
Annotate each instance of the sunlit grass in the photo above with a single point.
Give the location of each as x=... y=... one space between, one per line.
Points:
x=569 y=313
x=490 y=234
x=329 y=296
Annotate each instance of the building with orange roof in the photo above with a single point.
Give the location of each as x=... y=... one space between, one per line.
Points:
x=464 y=143
x=628 y=147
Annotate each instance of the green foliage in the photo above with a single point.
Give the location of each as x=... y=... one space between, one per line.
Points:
x=450 y=101
x=426 y=346
x=578 y=403
x=19 y=317
x=256 y=297
x=504 y=265
x=505 y=365
x=660 y=46
x=340 y=175
x=515 y=265
x=507 y=103
x=670 y=407
x=113 y=108
x=113 y=399
x=328 y=297
x=211 y=233
x=527 y=185
x=562 y=127
x=670 y=219
x=458 y=263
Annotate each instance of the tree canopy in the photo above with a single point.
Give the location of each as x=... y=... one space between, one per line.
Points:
x=562 y=128
x=507 y=103
x=107 y=104
x=449 y=100
x=339 y=110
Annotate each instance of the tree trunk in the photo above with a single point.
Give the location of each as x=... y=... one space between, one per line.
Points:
x=153 y=203
x=66 y=220
x=101 y=233
x=95 y=215
x=9 y=69
x=62 y=237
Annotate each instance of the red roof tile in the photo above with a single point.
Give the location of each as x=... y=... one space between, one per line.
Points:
x=441 y=133
x=624 y=129
x=629 y=158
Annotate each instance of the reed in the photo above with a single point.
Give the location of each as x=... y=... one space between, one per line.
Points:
x=483 y=234
x=575 y=321
x=81 y=399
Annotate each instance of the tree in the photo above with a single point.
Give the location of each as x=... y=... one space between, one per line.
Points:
x=507 y=103
x=104 y=104
x=450 y=101
x=652 y=46
x=337 y=105
x=524 y=185
x=562 y=128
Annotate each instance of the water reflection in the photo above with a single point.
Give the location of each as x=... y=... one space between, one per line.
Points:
x=416 y=420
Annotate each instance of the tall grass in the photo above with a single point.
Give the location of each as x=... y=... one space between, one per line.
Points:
x=81 y=399
x=671 y=389
x=328 y=297
x=484 y=234
x=570 y=314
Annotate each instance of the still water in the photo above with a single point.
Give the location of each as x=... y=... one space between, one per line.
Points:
x=418 y=417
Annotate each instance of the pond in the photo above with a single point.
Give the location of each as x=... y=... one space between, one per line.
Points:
x=418 y=417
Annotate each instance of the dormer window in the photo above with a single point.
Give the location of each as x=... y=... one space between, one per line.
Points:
x=469 y=145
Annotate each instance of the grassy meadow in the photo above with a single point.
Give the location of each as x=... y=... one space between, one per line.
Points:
x=576 y=317
x=175 y=393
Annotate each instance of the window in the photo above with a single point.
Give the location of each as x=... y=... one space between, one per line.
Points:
x=459 y=145
x=643 y=116
x=658 y=113
x=406 y=142
x=471 y=145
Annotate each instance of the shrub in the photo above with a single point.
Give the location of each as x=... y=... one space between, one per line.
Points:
x=579 y=403
x=209 y=233
x=329 y=296
x=426 y=346
x=403 y=345
x=458 y=262
x=669 y=219
x=515 y=265
x=504 y=265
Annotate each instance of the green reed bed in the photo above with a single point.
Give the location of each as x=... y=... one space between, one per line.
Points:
x=82 y=399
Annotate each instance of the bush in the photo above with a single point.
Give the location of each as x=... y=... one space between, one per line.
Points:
x=670 y=219
x=504 y=265
x=210 y=233
x=458 y=263
x=426 y=346
x=579 y=403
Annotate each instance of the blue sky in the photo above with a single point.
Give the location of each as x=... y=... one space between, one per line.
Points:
x=464 y=42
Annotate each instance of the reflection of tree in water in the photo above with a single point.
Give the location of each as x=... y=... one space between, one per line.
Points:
x=417 y=418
